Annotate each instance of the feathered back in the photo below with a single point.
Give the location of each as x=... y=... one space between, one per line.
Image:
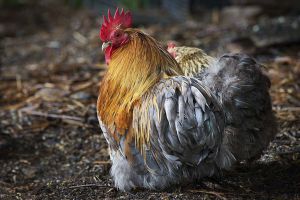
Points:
x=192 y=60
x=242 y=88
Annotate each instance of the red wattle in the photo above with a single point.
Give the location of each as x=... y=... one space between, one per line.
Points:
x=108 y=52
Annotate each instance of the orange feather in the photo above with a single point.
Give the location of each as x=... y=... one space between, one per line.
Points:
x=134 y=68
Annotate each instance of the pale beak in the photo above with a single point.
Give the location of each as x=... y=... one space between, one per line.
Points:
x=105 y=45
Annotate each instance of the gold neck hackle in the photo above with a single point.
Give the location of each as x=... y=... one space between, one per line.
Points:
x=133 y=69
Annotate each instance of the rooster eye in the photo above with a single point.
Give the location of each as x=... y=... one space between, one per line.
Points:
x=117 y=34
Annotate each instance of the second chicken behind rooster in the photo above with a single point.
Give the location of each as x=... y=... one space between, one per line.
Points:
x=238 y=78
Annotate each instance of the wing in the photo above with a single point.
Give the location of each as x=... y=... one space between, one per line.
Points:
x=178 y=123
x=176 y=134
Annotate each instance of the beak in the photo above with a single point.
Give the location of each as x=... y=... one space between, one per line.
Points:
x=105 y=45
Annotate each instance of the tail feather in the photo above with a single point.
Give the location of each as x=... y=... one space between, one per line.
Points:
x=242 y=88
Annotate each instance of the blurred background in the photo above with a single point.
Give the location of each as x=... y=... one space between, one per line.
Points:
x=51 y=65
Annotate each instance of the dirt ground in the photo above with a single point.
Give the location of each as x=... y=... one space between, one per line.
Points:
x=50 y=144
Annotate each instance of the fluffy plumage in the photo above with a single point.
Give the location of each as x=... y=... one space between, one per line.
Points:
x=251 y=124
x=192 y=60
x=164 y=127
x=177 y=134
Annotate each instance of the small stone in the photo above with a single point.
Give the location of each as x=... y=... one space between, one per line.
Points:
x=81 y=96
x=29 y=172
x=53 y=45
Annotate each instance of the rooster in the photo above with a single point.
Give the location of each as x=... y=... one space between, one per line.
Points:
x=165 y=126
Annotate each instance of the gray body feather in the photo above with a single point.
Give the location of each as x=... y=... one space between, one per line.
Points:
x=187 y=128
x=243 y=91
x=185 y=124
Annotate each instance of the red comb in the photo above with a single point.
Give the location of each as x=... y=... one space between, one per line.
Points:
x=170 y=49
x=122 y=19
x=171 y=44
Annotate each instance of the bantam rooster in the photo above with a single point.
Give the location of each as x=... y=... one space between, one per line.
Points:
x=164 y=127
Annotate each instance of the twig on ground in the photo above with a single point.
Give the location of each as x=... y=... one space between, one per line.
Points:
x=55 y=116
x=292 y=151
x=289 y=108
x=290 y=136
x=90 y=185
x=217 y=194
x=102 y=162
x=21 y=104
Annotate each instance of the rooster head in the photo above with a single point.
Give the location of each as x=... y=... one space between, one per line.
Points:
x=112 y=32
x=170 y=48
